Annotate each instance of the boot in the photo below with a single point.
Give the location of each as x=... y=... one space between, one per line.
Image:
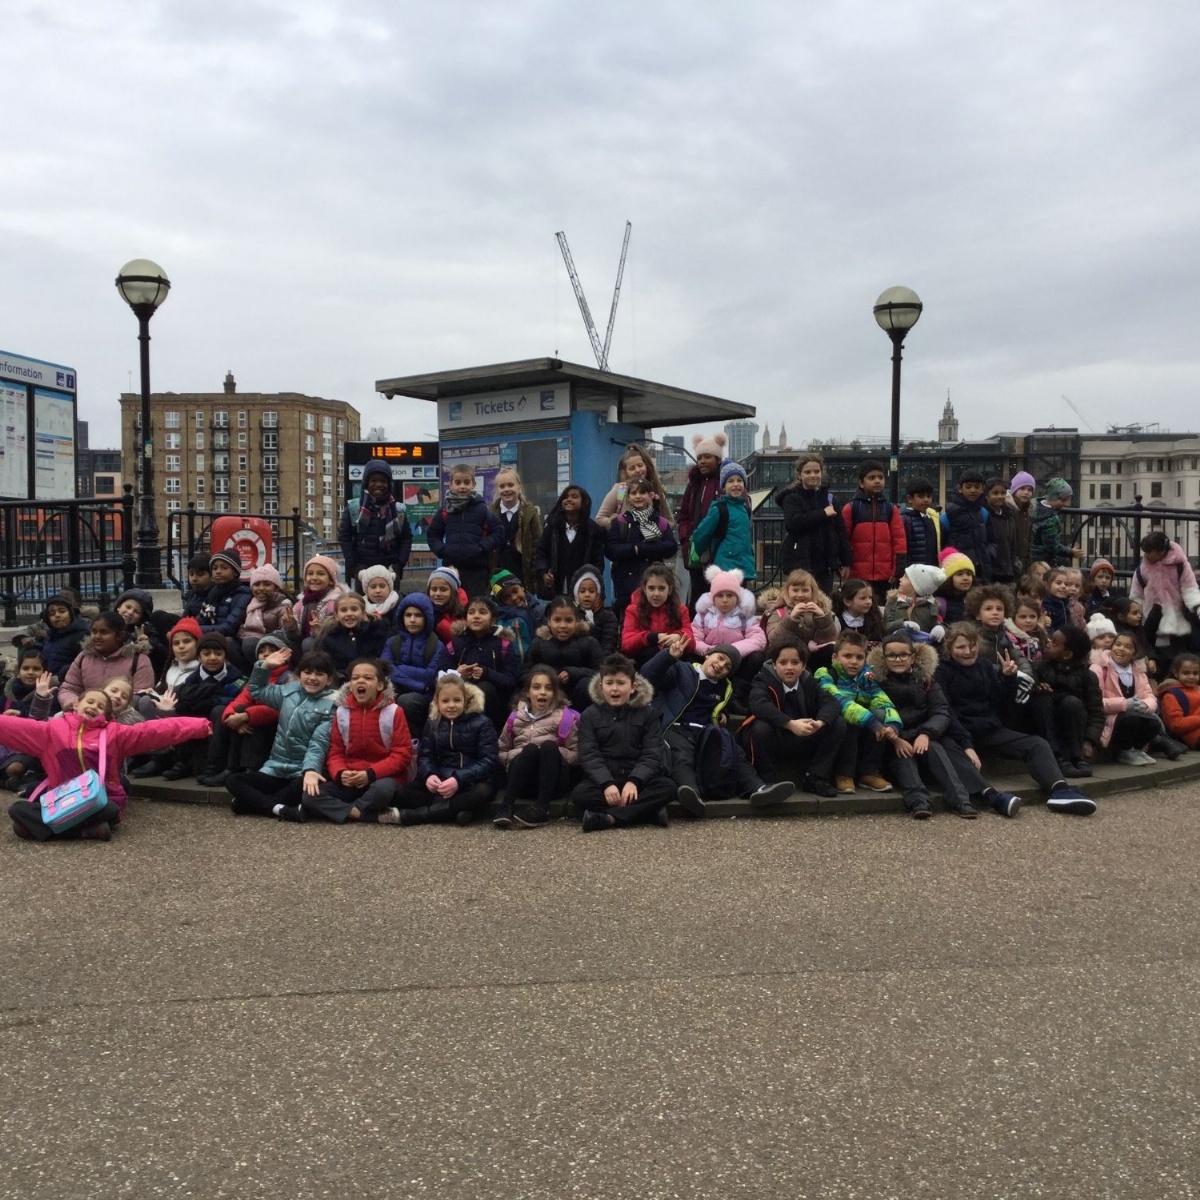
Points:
x=1167 y=745
x=430 y=815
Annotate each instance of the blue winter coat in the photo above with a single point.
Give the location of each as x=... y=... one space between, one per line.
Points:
x=223 y=609
x=967 y=527
x=465 y=538
x=413 y=660
x=675 y=685
x=366 y=640
x=631 y=554
x=736 y=550
x=302 y=734
x=500 y=666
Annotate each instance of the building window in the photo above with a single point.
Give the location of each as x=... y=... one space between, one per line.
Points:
x=200 y=486
x=1118 y=491
x=220 y=419
x=270 y=462
x=270 y=441
x=172 y=486
x=242 y=418
x=310 y=443
x=170 y=420
x=1193 y=462
x=310 y=509
x=172 y=462
x=172 y=440
x=1156 y=491
x=310 y=487
x=310 y=421
x=341 y=427
x=221 y=462
x=1158 y=464
x=1179 y=487
x=221 y=486
x=1106 y=468
x=199 y=462
x=1106 y=491
x=243 y=506
x=222 y=506
x=327 y=424
x=1091 y=468
x=271 y=508
x=270 y=420
x=242 y=485
x=220 y=441
x=243 y=441
x=199 y=418
x=200 y=439
x=327 y=443
x=243 y=461
x=309 y=464
x=172 y=506
x=1091 y=491
x=270 y=484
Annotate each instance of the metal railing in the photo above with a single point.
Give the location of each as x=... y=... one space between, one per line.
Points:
x=189 y=531
x=85 y=544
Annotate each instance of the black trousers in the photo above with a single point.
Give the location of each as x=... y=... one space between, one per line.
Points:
x=539 y=773
x=682 y=742
x=415 y=706
x=1062 y=722
x=859 y=754
x=816 y=754
x=255 y=793
x=28 y=814
x=229 y=750
x=652 y=796
x=468 y=799
x=1133 y=731
x=1033 y=752
x=335 y=801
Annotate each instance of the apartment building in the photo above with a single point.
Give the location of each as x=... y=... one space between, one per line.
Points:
x=244 y=452
x=1163 y=468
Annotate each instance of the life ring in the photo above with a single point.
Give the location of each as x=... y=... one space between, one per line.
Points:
x=250 y=547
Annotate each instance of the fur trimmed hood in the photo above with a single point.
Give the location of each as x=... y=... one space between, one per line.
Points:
x=474 y=696
x=343 y=699
x=643 y=691
x=747 y=606
x=925 y=663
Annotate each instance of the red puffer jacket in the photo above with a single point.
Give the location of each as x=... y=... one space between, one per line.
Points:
x=878 y=544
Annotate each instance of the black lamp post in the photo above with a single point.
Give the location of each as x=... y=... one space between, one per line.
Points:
x=143 y=286
x=897 y=310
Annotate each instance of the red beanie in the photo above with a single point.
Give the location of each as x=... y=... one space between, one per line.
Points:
x=186 y=625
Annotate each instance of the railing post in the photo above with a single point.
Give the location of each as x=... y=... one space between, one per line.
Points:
x=128 y=561
x=191 y=529
x=296 y=551
x=74 y=553
x=1135 y=550
x=10 y=555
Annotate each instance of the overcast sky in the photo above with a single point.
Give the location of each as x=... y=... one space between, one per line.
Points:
x=346 y=191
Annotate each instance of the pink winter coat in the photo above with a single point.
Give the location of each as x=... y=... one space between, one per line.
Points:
x=1110 y=691
x=1170 y=583
x=55 y=744
x=261 y=620
x=89 y=672
x=740 y=628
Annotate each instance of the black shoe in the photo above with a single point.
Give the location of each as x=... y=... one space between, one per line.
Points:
x=920 y=811
x=1071 y=800
x=1005 y=803
x=772 y=793
x=214 y=779
x=504 y=818
x=530 y=816
x=1169 y=747
x=464 y=817
x=1082 y=766
x=689 y=800
x=814 y=785
x=147 y=770
x=595 y=821
x=1069 y=770
x=12 y=783
x=178 y=771
x=426 y=815
x=965 y=809
x=661 y=819
x=292 y=812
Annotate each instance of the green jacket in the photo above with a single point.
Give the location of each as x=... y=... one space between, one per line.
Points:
x=863 y=702
x=302 y=735
x=1046 y=542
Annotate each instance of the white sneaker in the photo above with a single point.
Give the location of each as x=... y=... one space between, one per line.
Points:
x=1148 y=760
x=1131 y=758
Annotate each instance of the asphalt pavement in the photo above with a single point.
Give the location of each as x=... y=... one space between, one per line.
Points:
x=866 y=1007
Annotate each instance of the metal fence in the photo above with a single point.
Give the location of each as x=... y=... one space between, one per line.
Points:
x=294 y=541
x=85 y=544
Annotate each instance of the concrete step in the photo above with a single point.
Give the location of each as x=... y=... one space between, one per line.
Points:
x=1111 y=779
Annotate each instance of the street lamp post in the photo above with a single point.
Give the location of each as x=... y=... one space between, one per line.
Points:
x=897 y=310
x=143 y=286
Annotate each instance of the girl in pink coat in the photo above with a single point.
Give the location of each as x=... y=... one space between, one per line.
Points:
x=728 y=616
x=1165 y=586
x=69 y=744
x=1130 y=705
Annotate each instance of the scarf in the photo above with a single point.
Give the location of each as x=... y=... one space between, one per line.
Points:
x=388 y=511
x=646 y=520
x=457 y=504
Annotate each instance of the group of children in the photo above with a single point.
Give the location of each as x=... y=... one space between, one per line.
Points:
x=407 y=707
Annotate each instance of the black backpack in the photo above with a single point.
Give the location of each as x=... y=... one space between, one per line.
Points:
x=717 y=763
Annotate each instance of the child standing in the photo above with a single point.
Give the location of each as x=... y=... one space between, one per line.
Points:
x=377 y=584
x=570 y=541
x=1165 y=586
x=1046 y=537
x=922 y=529
x=370 y=750
x=620 y=752
x=464 y=534
x=703 y=487
x=458 y=760
x=268 y=606
x=70 y=744
x=413 y=657
x=655 y=616
x=1100 y=580
x=1022 y=486
x=725 y=538
x=522 y=526
x=877 y=542
x=1002 y=524
x=792 y=720
x=374 y=527
x=966 y=524
x=296 y=767
x=815 y=539
x=539 y=745
x=635 y=466
x=637 y=536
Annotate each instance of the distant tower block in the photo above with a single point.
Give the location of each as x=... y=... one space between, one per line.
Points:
x=741 y=435
x=948 y=425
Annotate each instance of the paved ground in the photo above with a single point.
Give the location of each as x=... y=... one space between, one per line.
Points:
x=867 y=1007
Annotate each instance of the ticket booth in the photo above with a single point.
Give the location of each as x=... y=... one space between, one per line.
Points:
x=555 y=422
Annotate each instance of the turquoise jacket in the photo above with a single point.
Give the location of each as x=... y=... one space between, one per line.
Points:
x=862 y=700
x=302 y=735
x=736 y=549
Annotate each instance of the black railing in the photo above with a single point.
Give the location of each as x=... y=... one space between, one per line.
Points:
x=85 y=544
x=189 y=532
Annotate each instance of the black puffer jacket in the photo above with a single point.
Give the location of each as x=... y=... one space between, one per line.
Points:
x=579 y=657
x=967 y=525
x=813 y=541
x=916 y=695
x=1076 y=679
x=620 y=744
x=466 y=749
x=767 y=698
x=976 y=695
x=1004 y=542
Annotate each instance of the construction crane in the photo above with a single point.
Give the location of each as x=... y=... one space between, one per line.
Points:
x=600 y=350
x=1080 y=415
